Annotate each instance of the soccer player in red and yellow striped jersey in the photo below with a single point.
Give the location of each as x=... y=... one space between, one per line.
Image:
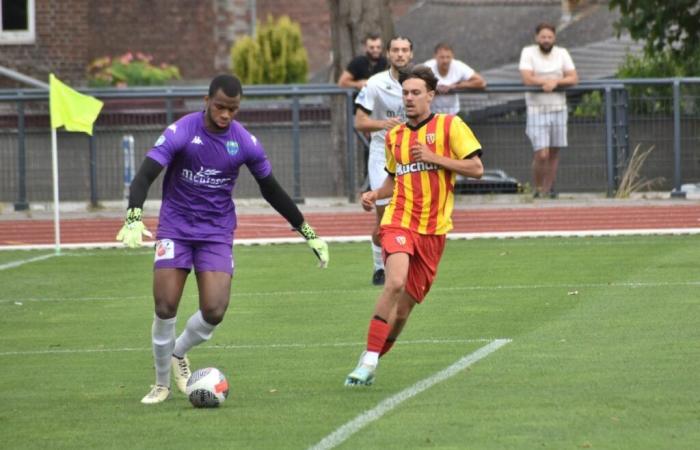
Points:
x=424 y=156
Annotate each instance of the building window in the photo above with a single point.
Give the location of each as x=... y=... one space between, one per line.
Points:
x=17 y=24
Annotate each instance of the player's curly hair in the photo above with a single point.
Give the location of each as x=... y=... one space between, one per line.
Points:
x=422 y=72
x=230 y=84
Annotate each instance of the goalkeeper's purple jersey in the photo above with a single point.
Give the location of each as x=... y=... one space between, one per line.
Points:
x=202 y=168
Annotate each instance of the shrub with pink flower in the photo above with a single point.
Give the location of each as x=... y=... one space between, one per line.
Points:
x=130 y=69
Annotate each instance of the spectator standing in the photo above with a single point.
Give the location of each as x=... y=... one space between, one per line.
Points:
x=550 y=67
x=364 y=66
x=452 y=74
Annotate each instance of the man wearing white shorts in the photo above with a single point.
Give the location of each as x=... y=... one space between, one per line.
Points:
x=549 y=67
x=380 y=108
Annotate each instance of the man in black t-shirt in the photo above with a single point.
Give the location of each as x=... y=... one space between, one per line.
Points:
x=362 y=67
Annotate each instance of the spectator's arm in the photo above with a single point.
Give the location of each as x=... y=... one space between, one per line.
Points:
x=476 y=81
x=346 y=80
x=530 y=79
x=570 y=78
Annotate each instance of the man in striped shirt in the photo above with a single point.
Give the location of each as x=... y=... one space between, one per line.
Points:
x=423 y=157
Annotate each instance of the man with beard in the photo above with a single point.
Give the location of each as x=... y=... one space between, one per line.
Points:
x=379 y=109
x=423 y=157
x=203 y=152
x=550 y=67
x=364 y=66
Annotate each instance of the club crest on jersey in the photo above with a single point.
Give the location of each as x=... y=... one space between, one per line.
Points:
x=232 y=147
x=430 y=138
x=401 y=240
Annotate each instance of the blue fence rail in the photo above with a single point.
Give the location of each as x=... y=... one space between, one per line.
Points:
x=308 y=133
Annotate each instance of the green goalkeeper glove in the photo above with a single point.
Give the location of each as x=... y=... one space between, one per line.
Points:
x=133 y=230
x=318 y=245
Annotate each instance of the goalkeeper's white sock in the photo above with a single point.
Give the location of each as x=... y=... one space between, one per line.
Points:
x=377 y=255
x=196 y=331
x=163 y=338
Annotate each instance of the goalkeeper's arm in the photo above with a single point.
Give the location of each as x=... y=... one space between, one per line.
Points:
x=133 y=230
x=278 y=198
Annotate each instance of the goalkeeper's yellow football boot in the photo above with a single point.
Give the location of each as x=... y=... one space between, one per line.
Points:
x=181 y=372
x=158 y=394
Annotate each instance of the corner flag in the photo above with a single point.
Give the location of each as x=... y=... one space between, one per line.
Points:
x=70 y=108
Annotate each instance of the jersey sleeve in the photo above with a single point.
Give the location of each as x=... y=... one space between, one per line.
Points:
x=365 y=99
x=463 y=143
x=256 y=159
x=169 y=143
x=389 y=140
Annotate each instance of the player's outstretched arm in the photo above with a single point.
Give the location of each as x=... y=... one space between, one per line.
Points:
x=133 y=230
x=278 y=198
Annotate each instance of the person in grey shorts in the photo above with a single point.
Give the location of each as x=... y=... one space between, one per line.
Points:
x=548 y=66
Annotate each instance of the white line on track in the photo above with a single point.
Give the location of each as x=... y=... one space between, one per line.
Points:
x=59 y=351
x=344 y=432
x=365 y=238
x=277 y=294
x=20 y=262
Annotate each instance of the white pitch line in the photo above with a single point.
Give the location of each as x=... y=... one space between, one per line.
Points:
x=59 y=351
x=365 y=238
x=344 y=432
x=20 y=262
x=325 y=292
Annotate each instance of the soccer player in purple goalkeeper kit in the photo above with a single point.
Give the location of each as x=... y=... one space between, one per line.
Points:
x=203 y=153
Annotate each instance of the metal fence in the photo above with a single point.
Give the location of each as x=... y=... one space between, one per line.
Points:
x=307 y=133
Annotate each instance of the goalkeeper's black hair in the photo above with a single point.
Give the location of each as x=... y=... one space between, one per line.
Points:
x=229 y=84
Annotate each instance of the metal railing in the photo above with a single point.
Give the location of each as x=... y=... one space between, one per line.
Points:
x=308 y=133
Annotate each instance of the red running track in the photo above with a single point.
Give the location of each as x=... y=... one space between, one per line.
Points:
x=578 y=218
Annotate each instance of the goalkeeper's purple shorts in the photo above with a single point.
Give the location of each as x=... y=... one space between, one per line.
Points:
x=203 y=256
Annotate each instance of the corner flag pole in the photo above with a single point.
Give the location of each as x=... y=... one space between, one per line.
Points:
x=75 y=112
x=54 y=171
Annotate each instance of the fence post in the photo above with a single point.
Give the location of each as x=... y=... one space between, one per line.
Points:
x=169 y=113
x=676 y=192
x=93 y=172
x=610 y=151
x=296 y=151
x=21 y=203
x=129 y=162
x=350 y=145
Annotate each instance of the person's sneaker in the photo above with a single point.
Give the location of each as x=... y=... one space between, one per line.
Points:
x=181 y=372
x=553 y=194
x=536 y=194
x=378 y=277
x=158 y=394
x=363 y=375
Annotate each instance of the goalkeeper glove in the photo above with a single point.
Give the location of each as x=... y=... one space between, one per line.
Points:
x=318 y=245
x=133 y=229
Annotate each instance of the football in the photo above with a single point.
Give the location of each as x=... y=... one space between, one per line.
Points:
x=207 y=388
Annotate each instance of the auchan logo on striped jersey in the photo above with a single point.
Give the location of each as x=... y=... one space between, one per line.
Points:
x=402 y=169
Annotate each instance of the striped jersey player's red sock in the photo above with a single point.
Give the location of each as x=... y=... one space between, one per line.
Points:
x=387 y=346
x=376 y=337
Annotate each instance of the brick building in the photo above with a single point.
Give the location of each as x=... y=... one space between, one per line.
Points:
x=64 y=36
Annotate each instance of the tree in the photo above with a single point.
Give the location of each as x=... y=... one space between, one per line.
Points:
x=665 y=25
x=275 y=56
x=351 y=21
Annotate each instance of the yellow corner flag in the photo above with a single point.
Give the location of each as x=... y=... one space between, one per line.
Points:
x=70 y=108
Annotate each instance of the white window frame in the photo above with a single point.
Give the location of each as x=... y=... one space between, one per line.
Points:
x=27 y=36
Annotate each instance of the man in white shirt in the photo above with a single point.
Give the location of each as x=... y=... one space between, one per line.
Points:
x=380 y=108
x=548 y=66
x=452 y=74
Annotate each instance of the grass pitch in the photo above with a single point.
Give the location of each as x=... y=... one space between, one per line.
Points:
x=605 y=350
